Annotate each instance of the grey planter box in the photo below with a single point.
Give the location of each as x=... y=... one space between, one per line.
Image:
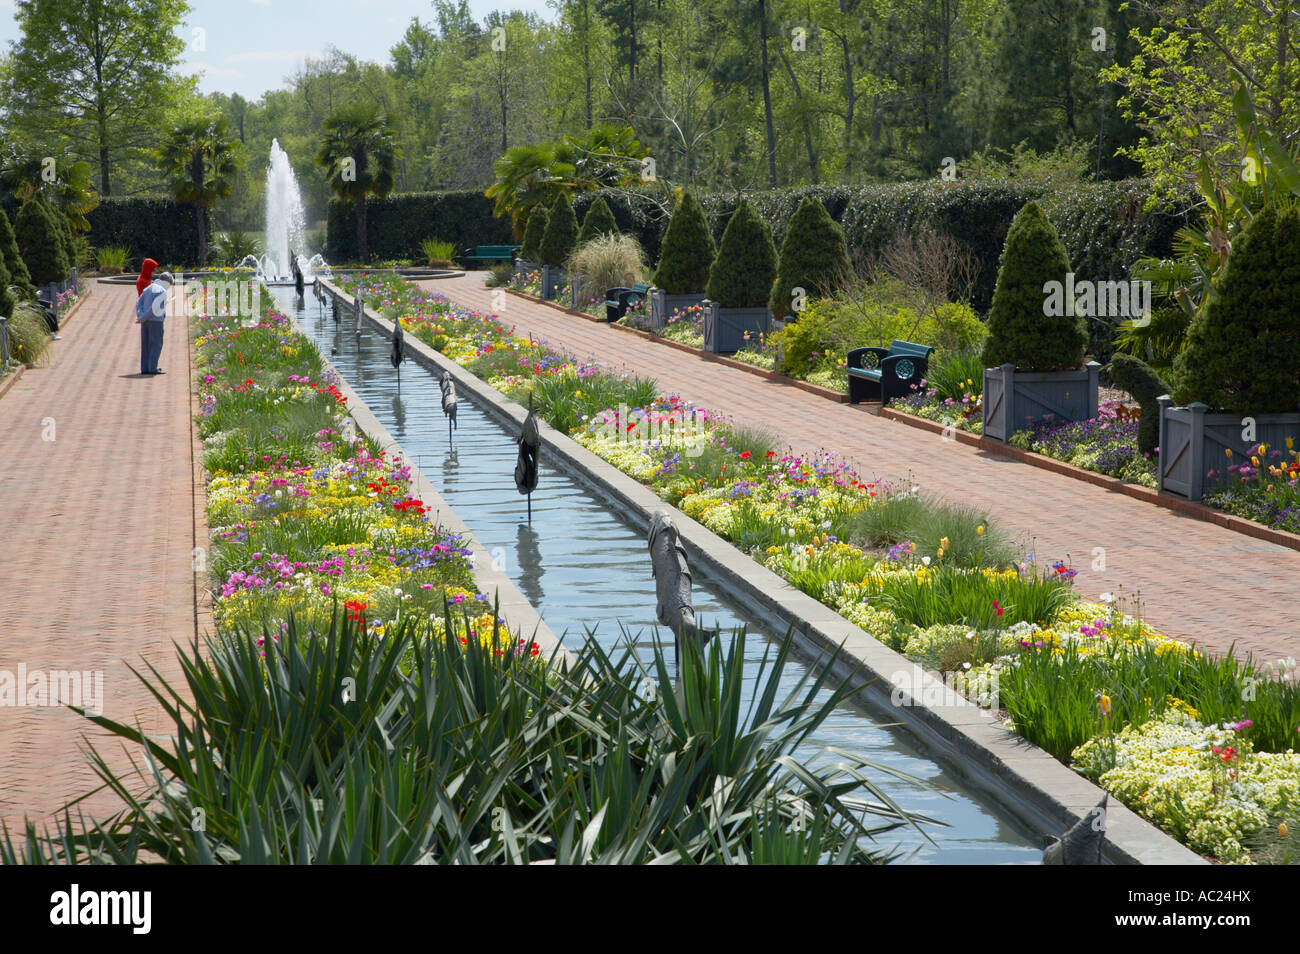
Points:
x=664 y=305
x=724 y=328
x=553 y=282
x=1014 y=399
x=578 y=293
x=523 y=267
x=1194 y=441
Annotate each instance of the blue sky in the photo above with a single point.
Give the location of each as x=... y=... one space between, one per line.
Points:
x=252 y=45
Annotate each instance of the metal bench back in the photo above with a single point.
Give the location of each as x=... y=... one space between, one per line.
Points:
x=907 y=347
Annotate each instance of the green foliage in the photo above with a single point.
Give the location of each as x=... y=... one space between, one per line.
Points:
x=199 y=158
x=966 y=597
x=1019 y=331
x=69 y=240
x=436 y=251
x=598 y=221
x=1159 y=340
x=561 y=234
x=29 y=336
x=813 y=257
x=954 y=374
x=13 y=262
x=41 y=242
x=745 y=267
x=609 y=260
x=447 y=754
x=358 y=154
x=1243 y=347
x=7 y=299
x=148 y=227
x=232 y=246
x=688 y=251
x=531 y=249
x=1137 y=378
x=398 y=223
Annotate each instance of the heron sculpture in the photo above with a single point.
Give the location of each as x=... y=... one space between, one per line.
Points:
x=297 y=274
x=530 y=442
x=397 y=353
x=361 y=310
x=1082 y=844
x=672 y=580
x=448 y=385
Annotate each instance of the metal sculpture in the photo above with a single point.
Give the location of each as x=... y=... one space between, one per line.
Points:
x=530 y=442
x=397 y=352
x=1082 y=844
x=672 y=580
x=361 y=310
x=448 y=385
x=297 y=274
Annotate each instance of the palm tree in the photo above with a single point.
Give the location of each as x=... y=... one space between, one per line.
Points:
x=199 y=158
x=359 y=155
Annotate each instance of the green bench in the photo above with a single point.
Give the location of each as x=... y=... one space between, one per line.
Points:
x=619 y=300
x=490 y=253
x=882 y=374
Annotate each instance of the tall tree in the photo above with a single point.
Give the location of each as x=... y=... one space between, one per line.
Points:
x=359 y=156
x=199 y=157
x=94 y=73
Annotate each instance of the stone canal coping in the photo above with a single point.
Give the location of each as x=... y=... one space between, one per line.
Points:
x=1023 y=780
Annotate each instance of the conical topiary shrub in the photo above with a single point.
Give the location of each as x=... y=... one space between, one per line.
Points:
x=814 y=257
x=7 y=300
x=530 y=251
x=743 y=272
x=1138 y=378
x=561 y=234
x=69 y=239
x=1243 y=348
x=1020 y=330
x=14 y=265
x=598 y=221
x=688 y=250
x=40 y=242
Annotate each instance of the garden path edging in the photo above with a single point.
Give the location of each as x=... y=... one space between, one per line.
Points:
x=1044 y=794
x=11 y=379
x=722 y=359
x=514 y=608
x=1188 y=508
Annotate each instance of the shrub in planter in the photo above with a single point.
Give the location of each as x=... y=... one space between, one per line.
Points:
x=7 y=300
x=598 y=221
x=607 y=261
x=745 y=267
x=1019 y=331
x=813 y=257
x=70 y=250
x=13 y=260
x=40 y=240
x=530 y=249
x=1243 y=348
x=1137 y=378
x=561 y=234
x=688 y=250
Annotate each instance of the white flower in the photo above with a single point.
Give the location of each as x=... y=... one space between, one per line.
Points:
x=1108 y=597
x=970 y=634
x=925 y=560
x=965 y=665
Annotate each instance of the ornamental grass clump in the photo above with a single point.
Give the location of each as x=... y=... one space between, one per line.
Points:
x=332 y=747
x=814 y=258
x=1020 y=331
x=745 y=267
x=1243 y=347
x=609 y=260
x=688 y=250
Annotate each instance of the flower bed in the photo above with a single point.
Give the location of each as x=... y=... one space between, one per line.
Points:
x=933 y=581
x=306 y=523
x=1106 y=444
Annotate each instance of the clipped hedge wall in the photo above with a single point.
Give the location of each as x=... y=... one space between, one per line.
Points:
x=1103 y=225
x=396 y=225
x=148 y=227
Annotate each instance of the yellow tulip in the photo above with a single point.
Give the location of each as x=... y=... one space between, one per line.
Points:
x=1289 y=443
x=979 y=531
x=1281 y=830
x=1104 y=702
x=1227 y=452
x=943 y=544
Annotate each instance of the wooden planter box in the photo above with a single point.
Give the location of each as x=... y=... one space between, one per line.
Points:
x=553 y=282
x=1015 y=399
x=523 y=267
x=663 y=306
x=1194 y=442
x=724 y=328
x=578 y=293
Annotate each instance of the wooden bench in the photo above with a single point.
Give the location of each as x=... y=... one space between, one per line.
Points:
x=619 y=300
x=882 y=374
x=490 y=253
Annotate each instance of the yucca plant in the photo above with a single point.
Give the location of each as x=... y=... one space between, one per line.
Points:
x=334 y=747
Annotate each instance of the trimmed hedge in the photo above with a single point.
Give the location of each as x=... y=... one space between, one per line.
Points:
x=745 y=267
x=813 y=258
x=396 y=224
x=598 y=221
x=15 y=267
x=561 y=234
x=148 y=227
x=40 y=240
x=1103 y=225
x=688 y=250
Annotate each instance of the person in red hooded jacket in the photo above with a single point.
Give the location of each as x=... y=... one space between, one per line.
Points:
x=146 y=276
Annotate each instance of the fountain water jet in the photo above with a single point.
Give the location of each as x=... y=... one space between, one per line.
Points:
x=285 y=218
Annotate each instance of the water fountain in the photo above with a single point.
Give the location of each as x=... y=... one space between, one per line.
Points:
x=285 y=216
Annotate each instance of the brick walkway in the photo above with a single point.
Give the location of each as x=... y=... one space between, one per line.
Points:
x=98 y=530
x=1196 y=581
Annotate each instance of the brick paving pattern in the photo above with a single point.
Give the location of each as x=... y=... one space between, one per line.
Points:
x=98 y=530
x=1196 y=581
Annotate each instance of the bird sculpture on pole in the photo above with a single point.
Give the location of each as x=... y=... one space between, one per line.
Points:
x=530 y=442
x=672 y=580
x=448 y=385
x=297 y=274
x=319 y=292
x=1082 y=844
x=361 y=310
x=397 y=353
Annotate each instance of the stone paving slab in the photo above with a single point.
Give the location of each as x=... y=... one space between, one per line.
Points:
x=1195 y=581
x=98 y=528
